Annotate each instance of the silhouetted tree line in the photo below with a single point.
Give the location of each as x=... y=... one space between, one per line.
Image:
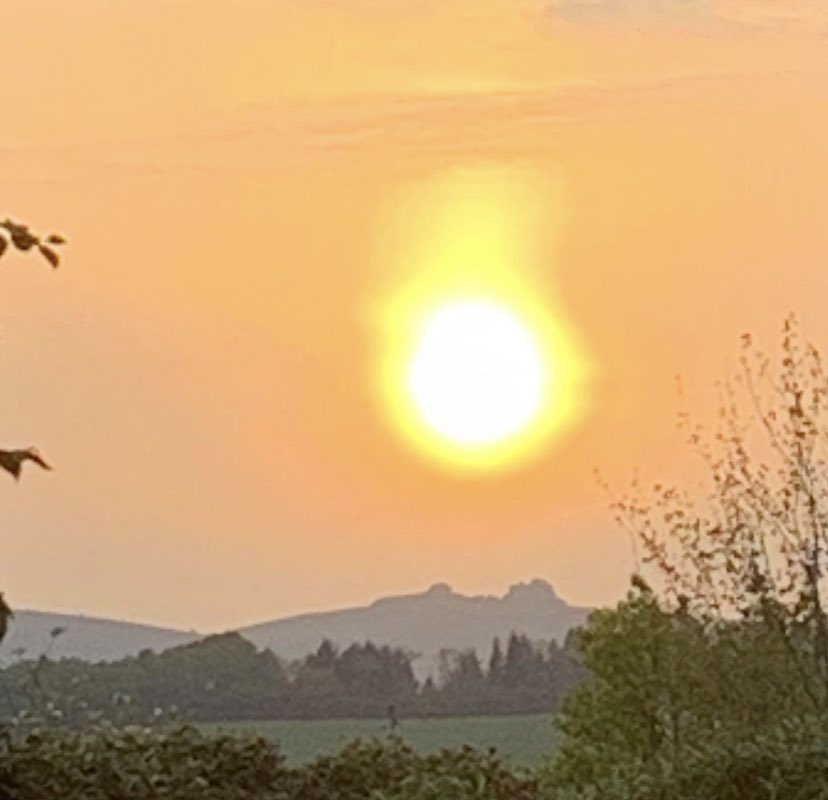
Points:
x=224 y=677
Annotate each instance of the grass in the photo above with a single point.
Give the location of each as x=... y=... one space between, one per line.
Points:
x=524 y=739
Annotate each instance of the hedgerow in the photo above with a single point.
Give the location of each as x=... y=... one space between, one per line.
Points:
x=136 y=763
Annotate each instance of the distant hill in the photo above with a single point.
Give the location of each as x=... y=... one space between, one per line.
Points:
x=421 y=623
x=428 y=622
x=89 y=638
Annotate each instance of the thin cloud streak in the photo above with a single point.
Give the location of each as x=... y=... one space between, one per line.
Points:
x=694 y=16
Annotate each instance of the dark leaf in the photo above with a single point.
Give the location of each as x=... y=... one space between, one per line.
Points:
x=3 y=245
x=50 y=255
x=55 y=239
x=22 y=237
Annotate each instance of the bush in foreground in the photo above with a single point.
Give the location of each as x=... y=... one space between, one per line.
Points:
x=134 y=763
x=789 y=762
x=393 y=771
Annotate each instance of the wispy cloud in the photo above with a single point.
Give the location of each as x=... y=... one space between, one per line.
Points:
x=637 y=13
x=776 y=14
x=694 y=14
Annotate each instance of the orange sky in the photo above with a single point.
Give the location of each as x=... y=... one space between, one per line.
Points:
x=201 y=371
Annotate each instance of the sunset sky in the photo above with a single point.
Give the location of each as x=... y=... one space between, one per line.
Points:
x=255 y=191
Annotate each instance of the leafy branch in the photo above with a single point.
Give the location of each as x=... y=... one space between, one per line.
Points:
x=24 y=240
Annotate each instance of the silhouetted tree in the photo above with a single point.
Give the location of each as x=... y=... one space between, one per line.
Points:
x=324 y=657
x=465 y=675
x=524 y=665
x=496 y=663
x=756 y=546
x=224 y=677
x=711 y=678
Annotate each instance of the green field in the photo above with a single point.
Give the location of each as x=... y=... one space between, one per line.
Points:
x=524 y=739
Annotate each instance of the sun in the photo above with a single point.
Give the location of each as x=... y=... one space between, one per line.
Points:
x=477 y=365
x=480 y=382
x=477 y=375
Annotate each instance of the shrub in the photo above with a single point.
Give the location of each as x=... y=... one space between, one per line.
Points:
x=135 y=763
x=393 y=771
x=789 y=762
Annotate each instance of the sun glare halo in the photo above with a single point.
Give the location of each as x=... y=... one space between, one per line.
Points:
x=477 y=366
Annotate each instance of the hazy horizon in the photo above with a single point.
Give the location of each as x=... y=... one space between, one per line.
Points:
x=309 y=612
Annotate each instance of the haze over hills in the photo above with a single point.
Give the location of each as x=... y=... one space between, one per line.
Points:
x=88 y=638
x=422 y=623
x=428 y=622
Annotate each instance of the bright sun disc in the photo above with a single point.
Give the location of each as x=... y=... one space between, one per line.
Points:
x=477 y=376
x=480 y=383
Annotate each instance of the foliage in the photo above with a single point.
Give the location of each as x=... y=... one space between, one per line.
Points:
x=392 y=770
x=528 y=678
x=662 y=686
x=134 y=763
x=224 y=677
x=362 y=680
x=23 y=239
x=109 y=764
x=788 y=761
x=219 y=677
x=757 y=545
x=715 y=684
